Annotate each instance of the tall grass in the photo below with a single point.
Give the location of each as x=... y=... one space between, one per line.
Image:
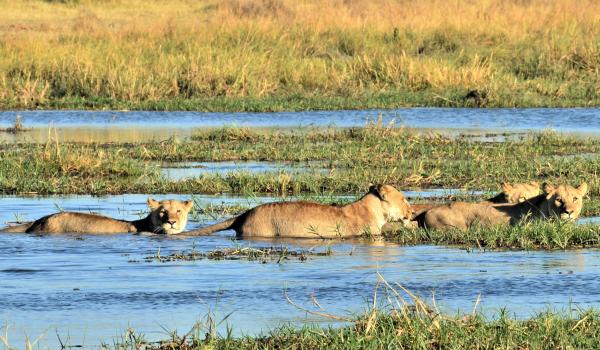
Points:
x=271 y=55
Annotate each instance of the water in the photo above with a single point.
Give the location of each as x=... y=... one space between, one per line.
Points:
x=86 y=289
x=107 y=126
x=185 y=170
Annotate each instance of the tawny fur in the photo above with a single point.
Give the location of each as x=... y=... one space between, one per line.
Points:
x=510 y=194
x=562 y=201
x=167 y=216
x=367 y=215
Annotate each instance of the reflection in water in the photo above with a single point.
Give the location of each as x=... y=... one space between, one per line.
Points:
x=95 y=134
x=94 y=287
x=185 y=170
x=113 y=126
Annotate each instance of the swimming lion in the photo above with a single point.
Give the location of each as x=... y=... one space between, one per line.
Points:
x=511 y=193
x=302 y=219
x=166 y=216
x=564 y=202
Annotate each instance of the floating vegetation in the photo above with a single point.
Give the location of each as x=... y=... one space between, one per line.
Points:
x=259 y=254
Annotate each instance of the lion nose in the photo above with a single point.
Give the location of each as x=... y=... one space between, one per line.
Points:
x=569 y=210
x=172 y=222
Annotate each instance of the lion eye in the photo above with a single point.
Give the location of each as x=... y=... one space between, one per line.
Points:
x=575 y=199
x=558 y=203
x=179 y=211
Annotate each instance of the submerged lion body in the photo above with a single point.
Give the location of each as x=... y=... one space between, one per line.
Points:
x=511 y=194
x=563 y=201
x=168 y=216
x=302 y=219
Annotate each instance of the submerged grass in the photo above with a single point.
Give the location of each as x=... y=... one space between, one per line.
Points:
x=265 y=55
x=277 y=254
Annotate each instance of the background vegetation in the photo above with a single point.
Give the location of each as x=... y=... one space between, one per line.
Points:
x=284 y=54
x=337 y=161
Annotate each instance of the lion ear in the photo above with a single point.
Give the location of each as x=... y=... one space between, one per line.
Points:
x=548 y=190
x=583 y=188
x=380 y=191
x=188 y=205
x=153 y=204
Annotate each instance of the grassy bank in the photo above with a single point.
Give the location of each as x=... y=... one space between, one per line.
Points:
x=402 y=321
x=406 y=325
x=265 y=55
x=415 y=331
x=347 y=160
x=528 y=236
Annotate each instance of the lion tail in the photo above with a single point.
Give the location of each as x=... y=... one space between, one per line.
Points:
x=17 y=228
x=225 y=225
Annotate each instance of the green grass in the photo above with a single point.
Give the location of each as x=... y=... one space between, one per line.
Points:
x=352 y=158
x=415 y=331
x=407 y=323
x=529 y=236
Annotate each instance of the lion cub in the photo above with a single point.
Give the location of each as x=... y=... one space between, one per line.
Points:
x=381 y=204
x=564 y=202
x=166 y=217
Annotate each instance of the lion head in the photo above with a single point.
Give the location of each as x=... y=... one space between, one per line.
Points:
x=520 y=192
x=394 y=204
x=564 y=201
x=169 y=216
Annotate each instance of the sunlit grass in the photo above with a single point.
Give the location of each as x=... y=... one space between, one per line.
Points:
x=281 y=55
x=343 y=161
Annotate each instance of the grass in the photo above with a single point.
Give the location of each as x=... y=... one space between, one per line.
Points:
x=404 y=322
x=352 y=158
x=397 y=319
x=265 y=55
x=533 y=235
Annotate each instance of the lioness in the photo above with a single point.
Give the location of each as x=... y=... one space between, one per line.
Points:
x=561 y=201
x=381 y=204
x=167 y=217
x=516 y=193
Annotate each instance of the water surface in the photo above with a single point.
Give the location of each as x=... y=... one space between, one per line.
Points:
x=86 y=287
x=106 y=126
x=185 y=170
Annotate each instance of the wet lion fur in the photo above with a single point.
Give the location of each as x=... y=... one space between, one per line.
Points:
x=510 y=194
x=564 y=202
x=302 y=219
x=167 y=216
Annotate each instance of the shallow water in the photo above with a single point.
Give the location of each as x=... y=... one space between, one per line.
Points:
x=185 y=170
x=86 y=288
x=107 y=126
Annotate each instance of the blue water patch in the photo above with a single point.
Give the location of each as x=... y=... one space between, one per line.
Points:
x=93 y=288
x=561 y=119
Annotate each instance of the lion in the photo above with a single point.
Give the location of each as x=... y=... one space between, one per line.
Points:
x=303 y=219
x=511 y=193
x=166 y=217
x=564 y=202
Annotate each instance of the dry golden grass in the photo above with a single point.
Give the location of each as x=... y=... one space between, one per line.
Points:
x=515 y=52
